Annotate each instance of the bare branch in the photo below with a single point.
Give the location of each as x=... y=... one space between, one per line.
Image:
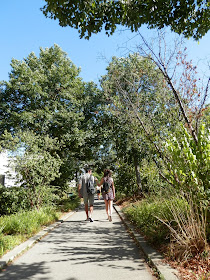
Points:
x=163 y=69
x=202 y=104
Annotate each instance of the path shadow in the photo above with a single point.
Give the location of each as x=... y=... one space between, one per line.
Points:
x=104 y=244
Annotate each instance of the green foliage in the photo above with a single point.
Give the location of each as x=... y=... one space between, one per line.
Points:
x=71 y=203
x=125 y=181
x=12 y=200
x=39 y=93
x=190 y=18
x=205 y=116
x=37 y=164
x=190 y=163
x=46 y=96
x=141 y=113
x=37 y=171
x=143 y=214
x=150 y=179
x=28 y=222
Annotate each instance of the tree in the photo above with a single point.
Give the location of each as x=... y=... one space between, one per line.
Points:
x=180 y=77
x=137 y=92
x=42 y=94
x=164 y=101
x=191 y=17
x=38 y=168
x=46 y=95
x=36 y=162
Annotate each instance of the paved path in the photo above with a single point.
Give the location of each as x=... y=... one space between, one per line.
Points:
x=80 y=250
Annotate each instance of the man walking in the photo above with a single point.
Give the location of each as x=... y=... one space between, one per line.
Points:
x=86 y=189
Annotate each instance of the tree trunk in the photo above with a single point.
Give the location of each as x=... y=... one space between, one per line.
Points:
x=138 y=176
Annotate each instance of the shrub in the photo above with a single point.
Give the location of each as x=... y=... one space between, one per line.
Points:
x=38 y=169
x=12 y=200
x=190 y=163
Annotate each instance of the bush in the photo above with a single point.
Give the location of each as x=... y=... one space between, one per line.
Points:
x=12 y=200
x=190 y=163
x=143 y=213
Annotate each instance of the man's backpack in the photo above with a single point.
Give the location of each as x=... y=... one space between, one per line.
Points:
x=90 y=185
x=106 y=186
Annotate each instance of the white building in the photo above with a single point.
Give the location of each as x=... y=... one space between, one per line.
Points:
x=8 y=176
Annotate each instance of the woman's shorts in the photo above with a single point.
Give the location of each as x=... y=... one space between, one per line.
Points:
x=109 y=195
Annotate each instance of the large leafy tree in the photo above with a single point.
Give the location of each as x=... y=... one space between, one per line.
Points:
x=46 y=95
x=42 y=94
x=142 y=110
x=191 y=17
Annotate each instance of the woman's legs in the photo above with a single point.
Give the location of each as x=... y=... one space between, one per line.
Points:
x=106 y=205
x=110 y=209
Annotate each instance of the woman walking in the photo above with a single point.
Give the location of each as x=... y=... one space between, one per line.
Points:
x=108 y=192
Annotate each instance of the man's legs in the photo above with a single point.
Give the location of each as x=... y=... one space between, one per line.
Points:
x=91 y=201
x=91 y=211
x=86 y=205
x=86 y=210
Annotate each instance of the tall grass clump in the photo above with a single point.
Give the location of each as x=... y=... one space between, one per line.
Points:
x=143 y=215
x=187 y=227
x=176 y=220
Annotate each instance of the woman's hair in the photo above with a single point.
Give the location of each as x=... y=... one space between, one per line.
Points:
x=107 y=173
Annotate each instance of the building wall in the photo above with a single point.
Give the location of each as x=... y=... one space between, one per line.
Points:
x=7 y=170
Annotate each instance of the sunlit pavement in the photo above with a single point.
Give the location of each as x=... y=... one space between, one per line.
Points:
x=80 y=250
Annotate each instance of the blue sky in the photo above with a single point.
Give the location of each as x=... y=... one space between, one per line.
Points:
x=24 y=29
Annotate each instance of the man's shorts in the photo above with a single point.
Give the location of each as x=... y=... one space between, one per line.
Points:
x=89 y=199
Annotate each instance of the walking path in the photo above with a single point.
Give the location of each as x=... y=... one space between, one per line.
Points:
x=81 y=250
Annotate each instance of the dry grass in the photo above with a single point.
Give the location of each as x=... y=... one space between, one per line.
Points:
x=188 y=230
x=197 y=268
